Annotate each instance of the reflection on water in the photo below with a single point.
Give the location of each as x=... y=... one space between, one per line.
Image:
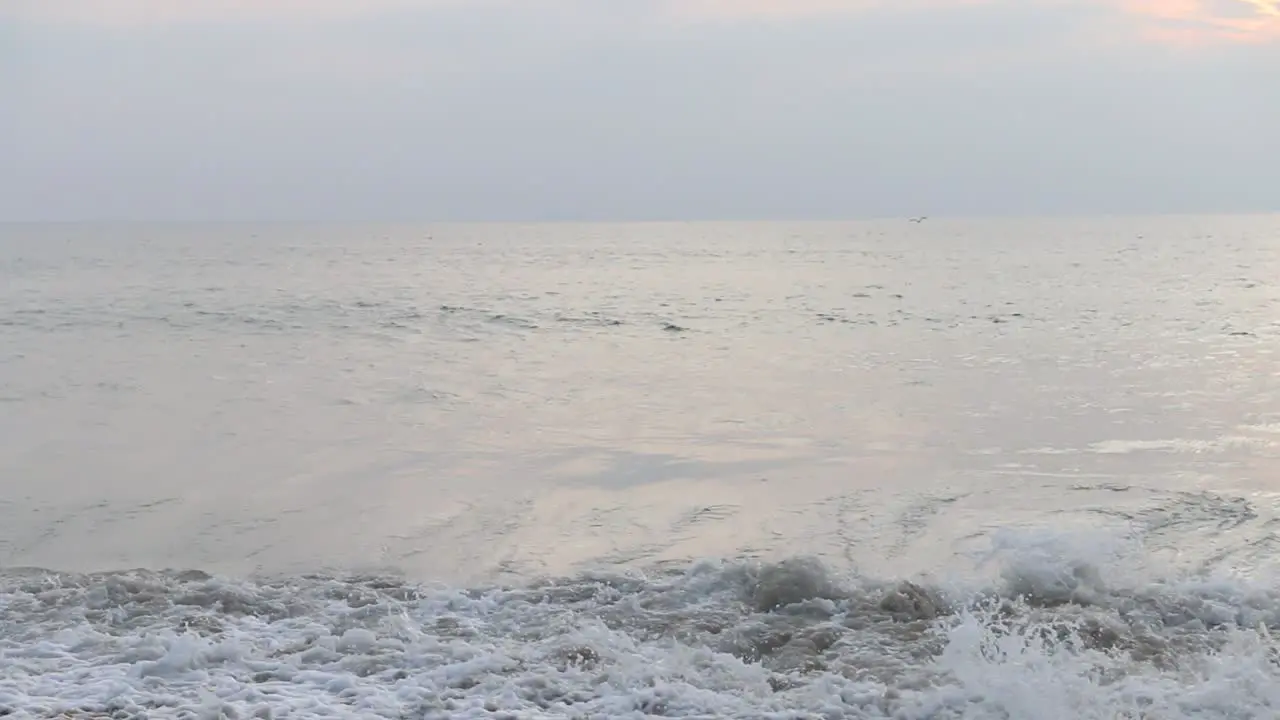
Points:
x=474 y=400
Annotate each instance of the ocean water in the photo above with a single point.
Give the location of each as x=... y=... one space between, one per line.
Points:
x=954 y=469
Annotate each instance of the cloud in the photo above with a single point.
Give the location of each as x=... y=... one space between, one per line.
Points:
x=618 y=109
x=1177 y=21
x=720 y=10
x=1204 y=21
x=143 y=13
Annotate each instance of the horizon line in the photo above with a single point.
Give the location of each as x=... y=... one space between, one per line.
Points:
x=928 y=218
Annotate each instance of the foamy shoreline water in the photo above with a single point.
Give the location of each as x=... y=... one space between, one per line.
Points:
x=1054 y=638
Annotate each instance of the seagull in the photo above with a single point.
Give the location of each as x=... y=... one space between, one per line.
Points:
x=920 y=219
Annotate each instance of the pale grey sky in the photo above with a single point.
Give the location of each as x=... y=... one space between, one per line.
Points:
x=635 y=109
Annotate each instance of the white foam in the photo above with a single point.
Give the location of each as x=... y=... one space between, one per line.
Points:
x=1073 y=631
x=1168 y=445
x=1177 y=445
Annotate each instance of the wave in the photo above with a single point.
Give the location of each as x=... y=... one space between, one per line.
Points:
x=1062 y=630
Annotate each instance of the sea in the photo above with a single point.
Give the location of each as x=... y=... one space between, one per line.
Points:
x=1019 y=469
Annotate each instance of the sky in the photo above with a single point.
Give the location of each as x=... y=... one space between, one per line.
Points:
x=561 y=110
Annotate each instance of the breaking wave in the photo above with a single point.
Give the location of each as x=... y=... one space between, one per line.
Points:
x=1060 y=630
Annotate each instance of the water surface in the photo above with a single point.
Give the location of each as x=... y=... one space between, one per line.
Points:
x=1066 y=411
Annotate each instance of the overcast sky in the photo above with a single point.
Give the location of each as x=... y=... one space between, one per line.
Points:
x=635 y=109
